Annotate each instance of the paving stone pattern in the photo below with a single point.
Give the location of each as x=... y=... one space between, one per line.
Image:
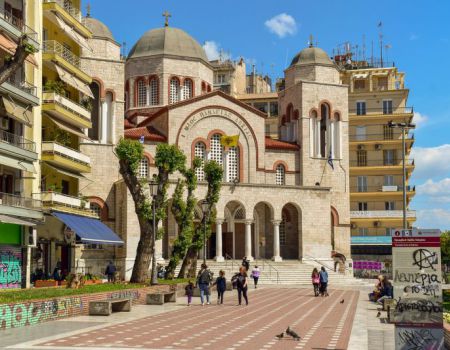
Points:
x=322 y=322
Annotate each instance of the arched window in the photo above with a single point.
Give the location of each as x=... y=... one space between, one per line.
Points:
x=203 y=87
x=143 y=168
x=141 y=93
x=107 y=128
x=187 y=89
x=153 y=91
x=209 y=88
x=289 y=113
x=325 y=117
x=232 y=171
x=174 y=90
x=280 y=175
x=216 y=149
x=96 y=209
x=200 y=152
x=127 y=96
x=94 y=131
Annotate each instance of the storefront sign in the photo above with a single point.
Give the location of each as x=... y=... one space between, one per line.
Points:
x=417 y=289
x=368 y=265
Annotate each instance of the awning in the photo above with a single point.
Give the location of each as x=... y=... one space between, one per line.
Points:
x=360 y=76
x=17 y=164
x=10 y=47
x=17 y=112
x=89 y=230
x=64 y=172
x=80 y=40
x=73 y=81
x=67 y=127
x=6 y=219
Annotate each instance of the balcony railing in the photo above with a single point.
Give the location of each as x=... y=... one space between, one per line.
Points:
x=381 y=110
x=68 y=7
x=379 y=137
x=373 y=163
x=55 y=47
x=11 y=200
x=18 y=23
x=66 y=152
x=381 y=188
x=23 y=86
x=64 y=199
x=17 y=140
x=373 y=214
x=64 y=102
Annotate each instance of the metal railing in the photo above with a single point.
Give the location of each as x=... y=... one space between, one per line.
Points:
x=65 y=151
x=11 y=200
x=271 y=269
x=55 y=47
x=309 y=257
x=23 y=85
x=367 y=163
x=381 y=110
x=380 y=137
x=18 y=141
x=68 y=7
x=381 y=188
x=364 y=64
x=18 y=23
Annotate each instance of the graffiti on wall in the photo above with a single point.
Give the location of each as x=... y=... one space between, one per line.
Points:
x=125 y=294
x=10 y=267
x=19 y=315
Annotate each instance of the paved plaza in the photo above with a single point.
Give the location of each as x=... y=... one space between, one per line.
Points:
x=322 y=323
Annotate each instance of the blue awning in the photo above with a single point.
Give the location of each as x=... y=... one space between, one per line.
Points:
x=89 y=230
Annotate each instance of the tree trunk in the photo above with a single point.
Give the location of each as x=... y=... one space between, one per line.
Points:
x=189 y=266
x=143 y=258
x=9 y=68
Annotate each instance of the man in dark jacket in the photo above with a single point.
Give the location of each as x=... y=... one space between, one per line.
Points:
x=246 y=263
x=111 y=272
x=203 y=281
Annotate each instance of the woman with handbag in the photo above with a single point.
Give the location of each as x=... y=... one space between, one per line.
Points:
x=315 y=281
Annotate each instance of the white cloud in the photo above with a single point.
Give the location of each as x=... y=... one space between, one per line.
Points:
x=282 y=25
x=433 y=218
x=420 y=119
x=431 y=162
x=413 y=37
x=437 y=191
x=214 y=51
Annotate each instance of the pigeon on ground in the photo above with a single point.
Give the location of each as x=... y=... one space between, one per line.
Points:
x=378 y=314
x=342 y=301
x=292 y=333
x=279 y=336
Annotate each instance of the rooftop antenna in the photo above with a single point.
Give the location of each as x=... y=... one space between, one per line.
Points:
x=364 y=47
x=371 y=56
x=380 y=34
x=88 y=9
x=310 y=42
x=387 y=47
x=167 y=15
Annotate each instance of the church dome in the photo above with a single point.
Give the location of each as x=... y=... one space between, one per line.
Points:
x=170 y=42
x=98 y=29
x=312 y=55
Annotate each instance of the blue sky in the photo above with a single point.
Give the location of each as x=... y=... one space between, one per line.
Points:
x=418 y=32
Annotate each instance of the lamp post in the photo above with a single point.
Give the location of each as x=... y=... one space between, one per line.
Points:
x=205 y=208
x=404 y=127
x=153 y=184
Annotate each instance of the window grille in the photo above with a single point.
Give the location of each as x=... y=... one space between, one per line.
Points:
x=232 y=164
x=142 y=93
x=216 y=152
x=153 y=92
x=280 y=175
x=143 y=168
x=95 y=208
x=200 y=152
x=174 y=90
x=187 y=90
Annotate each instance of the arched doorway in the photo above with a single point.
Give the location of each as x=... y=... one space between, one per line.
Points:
x=263 y=216
x=290 y=232
x=233 y=232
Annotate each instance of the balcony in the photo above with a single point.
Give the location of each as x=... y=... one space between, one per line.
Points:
x=382 y=214
x=381 y=114
x=20 y=90
x=67 y=110
x=378 y=167
x=65 y=157
x=71 y=15
x=381 y=189
x=54 y=51
x=65 y=203
x=20 y=206
x=16 y=28
x=385 y=138
x=17 y=146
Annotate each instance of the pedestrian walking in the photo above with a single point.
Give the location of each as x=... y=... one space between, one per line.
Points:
x=246 y=263
x=189 y=292
x=110 y=272
x=315 y=281
x=203 y=281
x=242 y=285
x=323 y=276
x=221 y=284
x=255 y=275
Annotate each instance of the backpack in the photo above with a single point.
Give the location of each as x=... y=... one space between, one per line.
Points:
x=205 y=277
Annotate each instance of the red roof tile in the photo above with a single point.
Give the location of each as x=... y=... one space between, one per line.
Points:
x=149 y=133
x=283 y=145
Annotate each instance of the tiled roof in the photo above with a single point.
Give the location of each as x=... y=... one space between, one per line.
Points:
x=283 y=145
x=149 y=133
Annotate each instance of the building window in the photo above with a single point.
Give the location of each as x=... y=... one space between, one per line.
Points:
x=389 y=205
x=388 y=180
x=388 y=231
x=387 y=106
x=174 y=90
x=360 y=84
x=361 y=133
x=363 y=231
x=232 y=171
x=153 y=93
x=362 y=206
x=200 y=152
x=361 y=108
x=388 y=133
x=216 y=149
x=361 y=157
x=280 y=175
x=141 y=93
x=362 y=183
x=325 y=117
x=143 y=170
x=96 y=209
x=389 y=157
x=283 y=230
x=187 y=89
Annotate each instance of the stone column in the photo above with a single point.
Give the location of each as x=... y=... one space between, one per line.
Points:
x=276 y=240
x=103 y=128
x=248 y=239
x=159 y=247
x=317 y=139
x=219 y=257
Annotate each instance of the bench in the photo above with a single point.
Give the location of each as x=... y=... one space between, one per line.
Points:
x=161 y=298
x=108 y=306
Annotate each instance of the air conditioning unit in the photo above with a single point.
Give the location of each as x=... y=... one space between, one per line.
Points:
x=377 y=223
x=30 y=237
x=389 y=188
x=378 y=147
x=360 y=147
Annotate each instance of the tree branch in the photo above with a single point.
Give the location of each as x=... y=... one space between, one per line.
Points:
x=17 y=60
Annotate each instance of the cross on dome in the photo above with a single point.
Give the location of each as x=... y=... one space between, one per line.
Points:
x=166 y=14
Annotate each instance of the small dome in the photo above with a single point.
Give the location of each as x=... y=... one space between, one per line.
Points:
x=312 y=55
x=98 y=29
x=168 y=41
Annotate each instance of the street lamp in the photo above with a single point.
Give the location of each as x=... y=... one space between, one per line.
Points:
x=404 y=127
x=205 y=209
x=153 y=184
